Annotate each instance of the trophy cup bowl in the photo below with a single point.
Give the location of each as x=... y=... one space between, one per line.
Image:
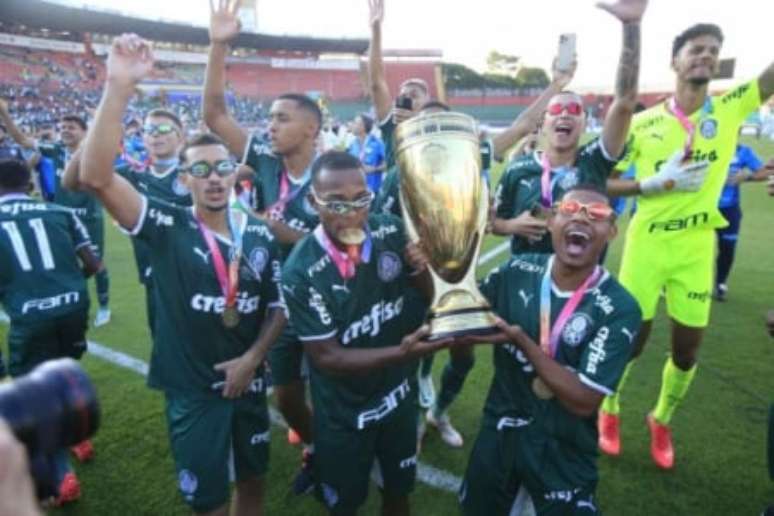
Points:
x=445 y=204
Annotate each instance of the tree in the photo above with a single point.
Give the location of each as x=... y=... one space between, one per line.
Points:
x=532 y=78
x=457 y=76
x=503 y=64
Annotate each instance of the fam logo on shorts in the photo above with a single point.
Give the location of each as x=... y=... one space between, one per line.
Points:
x=388 y=266
x=188 y=483
x=576 y=329
x=258 y=259
x=709 y=128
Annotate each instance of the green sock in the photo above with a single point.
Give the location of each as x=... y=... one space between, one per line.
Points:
x=610 y=403
x=674 y=385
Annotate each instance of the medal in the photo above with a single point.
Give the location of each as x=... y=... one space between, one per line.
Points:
x=541 y=390
x=228 y=278
x=230 y=317
x=346 y=262
x=549 y=336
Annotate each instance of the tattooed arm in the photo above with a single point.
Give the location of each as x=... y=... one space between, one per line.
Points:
x=619 y=115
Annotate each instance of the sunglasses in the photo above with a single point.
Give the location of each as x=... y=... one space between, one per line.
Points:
x=572 y=108
x=159 y=129
x=345 y=207
x=596 y=211
x=203 y=169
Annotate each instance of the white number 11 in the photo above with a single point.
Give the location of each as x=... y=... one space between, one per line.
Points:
x=18 y=244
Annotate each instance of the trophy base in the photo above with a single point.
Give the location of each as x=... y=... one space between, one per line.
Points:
x=462 y=322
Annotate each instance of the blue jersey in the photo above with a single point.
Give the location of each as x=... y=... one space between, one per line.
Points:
x=370 y=153
x=744 y=157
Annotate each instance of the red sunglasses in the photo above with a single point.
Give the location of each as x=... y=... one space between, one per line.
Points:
x=573 y=108
x=596 y=211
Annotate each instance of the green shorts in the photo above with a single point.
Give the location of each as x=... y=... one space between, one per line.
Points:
x=216 y=441
x=286 y=358
x=344 y=457
x=504 y=460
x=33 y=344
x=96 y=228
x=681 y=264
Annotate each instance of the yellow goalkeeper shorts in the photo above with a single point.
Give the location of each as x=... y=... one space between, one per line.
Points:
x=680 y=263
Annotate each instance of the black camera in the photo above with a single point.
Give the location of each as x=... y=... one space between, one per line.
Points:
x=404 y=102
x=50 y=409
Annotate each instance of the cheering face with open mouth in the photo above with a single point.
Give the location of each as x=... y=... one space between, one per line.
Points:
x=565 y=121
x=582 y=224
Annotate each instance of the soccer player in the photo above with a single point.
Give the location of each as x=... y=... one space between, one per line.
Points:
x=281 y=177
x=42 y=285
x=216 y=279
x=163 y=136
x=346 y=287
x=568 y=329
x=745 y=166
x=89 y=211
x=369 y=149
x=670 y=240
x=528 y=187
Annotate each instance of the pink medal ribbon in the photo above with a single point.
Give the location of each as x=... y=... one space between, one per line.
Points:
x=227 y=278
x=549 y=336
x=690 y=127
x=345 y=263
x=546 y=196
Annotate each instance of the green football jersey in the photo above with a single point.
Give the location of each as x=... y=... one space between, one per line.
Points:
x=368 y=310
x=387 y=129
x=166 y=187
x=84 y=205
x=40 y=276
x=520 y=187
x=595 y=343
x=298 y=212
x=190 y=337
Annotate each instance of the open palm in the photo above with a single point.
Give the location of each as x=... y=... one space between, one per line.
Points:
x=625 y=10
x=224 y=22
x=130 y=59
x=375 y=12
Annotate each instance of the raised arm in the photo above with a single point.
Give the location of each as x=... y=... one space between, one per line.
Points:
x=377 y=81
x=619 y=116
x=529 y=119
x=224 y=27
x=129 y=61
x=18 y=136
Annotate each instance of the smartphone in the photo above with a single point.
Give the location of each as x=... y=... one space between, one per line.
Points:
x=404 y=102
x=566 y=54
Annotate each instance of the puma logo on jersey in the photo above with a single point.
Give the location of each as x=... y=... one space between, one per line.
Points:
x=525 y=297
x=629 y=335
x=205 y=255
x=526 y=183
x=260 y=438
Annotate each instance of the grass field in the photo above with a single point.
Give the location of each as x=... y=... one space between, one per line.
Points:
x=719 y=431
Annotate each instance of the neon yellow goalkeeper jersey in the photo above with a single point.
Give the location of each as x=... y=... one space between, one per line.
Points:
x=656 y=134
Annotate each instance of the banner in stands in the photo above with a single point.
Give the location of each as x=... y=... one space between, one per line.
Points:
x=40 y=43
x=311 y=64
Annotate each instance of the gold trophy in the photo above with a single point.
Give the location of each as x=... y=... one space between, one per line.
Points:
x=445 y=204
